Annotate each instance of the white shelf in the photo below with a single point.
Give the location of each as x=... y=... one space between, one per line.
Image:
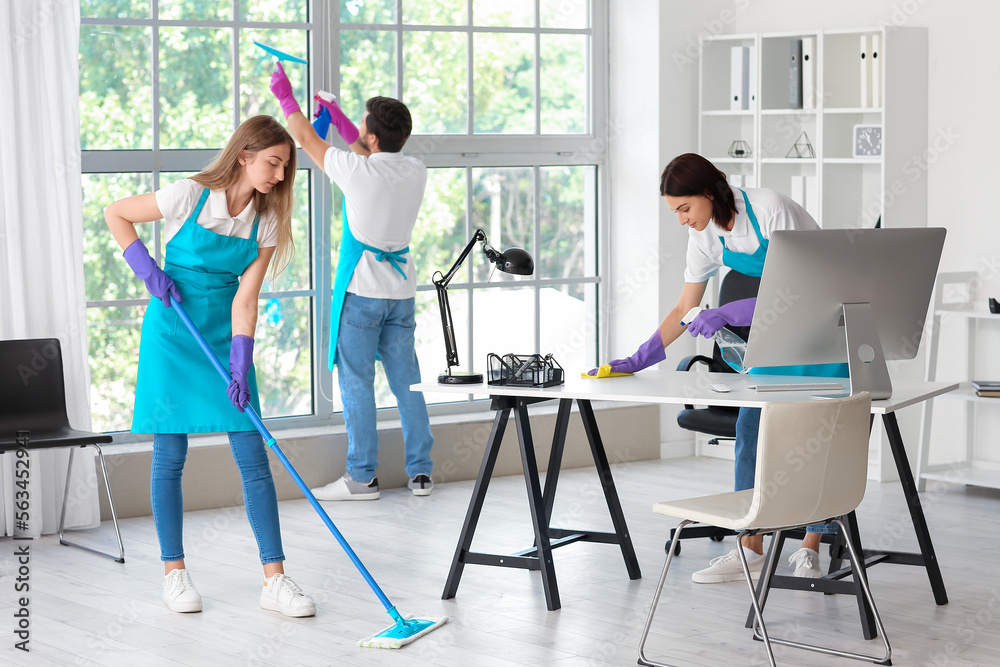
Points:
x=788 y=160
x=964 y=473
x=847 y=192
x=965 y=392
x=852 y=160
x=726 y=112
x=969 y=470
x=788 y=112
x=853 y=110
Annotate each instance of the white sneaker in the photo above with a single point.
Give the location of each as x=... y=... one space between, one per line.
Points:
x=806 y=562
x=284 y=595
x=179 y=593
x=727 y=568
x=347 y=488
x=421 y=485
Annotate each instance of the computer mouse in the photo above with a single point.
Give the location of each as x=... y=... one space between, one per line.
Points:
x=720 y=387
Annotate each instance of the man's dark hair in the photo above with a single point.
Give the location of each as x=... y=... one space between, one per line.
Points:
x=689 y=175
x=389 y=120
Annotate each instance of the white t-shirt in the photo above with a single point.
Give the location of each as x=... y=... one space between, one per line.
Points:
x=177 y=201
x=383 y=194
x=773 y=210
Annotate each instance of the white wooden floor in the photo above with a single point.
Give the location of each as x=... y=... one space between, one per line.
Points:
x=88 y=610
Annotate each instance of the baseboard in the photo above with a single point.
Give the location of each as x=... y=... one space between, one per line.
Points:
x=211 y=479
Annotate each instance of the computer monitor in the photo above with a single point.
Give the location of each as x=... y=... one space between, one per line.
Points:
x=825 y=291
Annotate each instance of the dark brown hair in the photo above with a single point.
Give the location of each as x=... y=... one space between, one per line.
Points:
x=689 y=175
x=389 y=120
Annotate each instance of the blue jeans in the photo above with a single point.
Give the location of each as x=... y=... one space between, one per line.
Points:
x=169 y=453
x=747 y=427
x=386 y=327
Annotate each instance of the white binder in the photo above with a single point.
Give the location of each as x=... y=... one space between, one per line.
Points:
x=865 y=61
x=739 y=77
x=876 y=67
x=737 y=180
x=808 y=72
x=752 y=78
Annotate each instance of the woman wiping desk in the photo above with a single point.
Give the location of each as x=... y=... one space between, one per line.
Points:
x=730 y=227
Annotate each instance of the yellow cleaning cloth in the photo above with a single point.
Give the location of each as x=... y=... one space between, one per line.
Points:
x=605 y=371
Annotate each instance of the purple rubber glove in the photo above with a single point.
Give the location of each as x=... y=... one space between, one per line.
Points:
x=709 y=321
x=157 y=282
x=321 y=121
x=649 y=353
x=240 y=361
x=345 y=128
x=282 y=89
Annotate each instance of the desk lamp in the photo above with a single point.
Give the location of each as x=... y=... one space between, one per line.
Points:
x=514 y=260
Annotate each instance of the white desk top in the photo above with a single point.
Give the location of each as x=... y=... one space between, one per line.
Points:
x=679 y=387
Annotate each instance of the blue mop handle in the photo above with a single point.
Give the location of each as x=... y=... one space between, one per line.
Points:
x=272 y=443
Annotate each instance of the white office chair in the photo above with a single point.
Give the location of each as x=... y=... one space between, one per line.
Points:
x=812 y=464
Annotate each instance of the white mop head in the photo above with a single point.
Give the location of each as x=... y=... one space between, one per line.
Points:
x=398 y=635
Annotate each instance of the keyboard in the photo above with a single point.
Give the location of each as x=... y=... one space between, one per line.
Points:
x=800 y=386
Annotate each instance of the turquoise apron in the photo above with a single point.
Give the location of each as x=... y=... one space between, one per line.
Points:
x=178 y=390
x=753 y=265
x=351 y=251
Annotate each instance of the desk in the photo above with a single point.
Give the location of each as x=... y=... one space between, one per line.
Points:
x=662 y=387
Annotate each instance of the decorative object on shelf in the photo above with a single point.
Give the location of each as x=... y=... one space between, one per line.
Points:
x=994 y=306
x=513 y=260
x=524 y=370
x=740 y=149
x=956 y=290
x=867 y=141
x=802 y=148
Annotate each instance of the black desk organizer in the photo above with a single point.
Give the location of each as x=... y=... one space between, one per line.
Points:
x=521 y=370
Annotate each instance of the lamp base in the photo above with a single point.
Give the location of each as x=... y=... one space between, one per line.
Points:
x=460 y=377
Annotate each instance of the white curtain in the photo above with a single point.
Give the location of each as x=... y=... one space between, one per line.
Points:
x=41 y=237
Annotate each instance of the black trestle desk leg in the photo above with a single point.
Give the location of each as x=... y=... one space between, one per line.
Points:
x=538 y=520
x=916 y=510
x=608 y=484
x=478 y=496
x=555 y=456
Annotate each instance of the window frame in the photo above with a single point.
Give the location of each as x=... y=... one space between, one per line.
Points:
x=466 y=151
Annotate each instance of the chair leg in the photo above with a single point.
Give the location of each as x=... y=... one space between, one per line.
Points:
x=759 y=627
x=643 y=660
x=120 y=558
x=858 y=568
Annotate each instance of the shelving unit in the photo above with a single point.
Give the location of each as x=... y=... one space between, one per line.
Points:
x=852 y=192
x=848 y=192
x=968 y=468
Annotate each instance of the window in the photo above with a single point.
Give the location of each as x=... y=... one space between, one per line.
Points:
x=503 y=100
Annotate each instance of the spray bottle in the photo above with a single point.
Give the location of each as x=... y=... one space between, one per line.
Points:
x=732 y=347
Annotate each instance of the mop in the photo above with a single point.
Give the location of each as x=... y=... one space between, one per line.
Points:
x=404 y=630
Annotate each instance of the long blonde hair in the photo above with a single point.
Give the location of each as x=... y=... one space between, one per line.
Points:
x=253 y=135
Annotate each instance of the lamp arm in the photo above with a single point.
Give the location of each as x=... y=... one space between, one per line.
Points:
x=443 y=281
x=450 y=345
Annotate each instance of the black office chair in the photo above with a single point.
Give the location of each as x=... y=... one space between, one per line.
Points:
x=718 y=421
x=33 y=415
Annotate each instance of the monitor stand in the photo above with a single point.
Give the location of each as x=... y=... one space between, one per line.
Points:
x=865 y=359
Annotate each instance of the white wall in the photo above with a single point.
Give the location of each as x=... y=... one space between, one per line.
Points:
x=654 y=88
x=654 y=103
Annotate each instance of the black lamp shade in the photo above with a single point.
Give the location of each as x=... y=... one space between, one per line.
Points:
x=516 y=261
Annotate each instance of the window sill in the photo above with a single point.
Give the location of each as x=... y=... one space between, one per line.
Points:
x=476 y=416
